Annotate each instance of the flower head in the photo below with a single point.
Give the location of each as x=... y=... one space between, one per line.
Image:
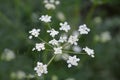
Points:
x=64 y=26
x=58 y=50
x=34 y=32
x=53 y=32
x=53 y=42
x=45 y=18
x=73 y=40
x=51 y=4
x=76 y=49
x=39 y=46
x=63 y=38
x=89 y=51
x=7 y=55
x=41 y=69
x=83 y=29
x=72 y=60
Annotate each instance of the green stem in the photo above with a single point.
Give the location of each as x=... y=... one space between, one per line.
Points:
x=67 y=51
x=72 y=52
x=49 y=26
x=45 y=42
x=90 y=13
x=65 y=45
x=51 y=60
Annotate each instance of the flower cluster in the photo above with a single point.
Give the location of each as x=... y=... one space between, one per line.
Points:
x=60 y=44
x=72 y=60
x=39 y=46
x=89 y=51
x=40 y=69
x=51 y=4
x=34 y=32
x=45 y=18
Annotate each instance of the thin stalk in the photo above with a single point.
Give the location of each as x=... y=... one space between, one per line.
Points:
x=51 y=60
x=67 y=51
x=65 y=45
x=45 y=42
x=49 y=26
x=72 y=52
x=90 y=13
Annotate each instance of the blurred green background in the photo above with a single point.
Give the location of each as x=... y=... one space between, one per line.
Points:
x=17 y=17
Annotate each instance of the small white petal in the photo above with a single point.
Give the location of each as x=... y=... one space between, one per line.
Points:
x=89 y=51
x=45 y=18
x=72 y=60
x=41 y=69
x=83 y=29
x=65 y=27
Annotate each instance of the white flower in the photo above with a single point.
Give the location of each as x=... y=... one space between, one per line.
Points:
x=45 y=18
x=50 y=6
x=83 y=29
x=53 y=42
x=19 y=75
x=58 y=50
x=105 y=36
x=70 y=78
x=76 y=49
x=34 y=32
x=57 y=2
x=61 y=16
x=41 y=69
x=72 y=61
x=39 y=46
x=63 y=38
x=8 y=55
x=53 y=32
x=89 y=51
x=73 y=40
x=64 y=26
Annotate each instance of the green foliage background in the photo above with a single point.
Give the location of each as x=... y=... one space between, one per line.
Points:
x=17 y=17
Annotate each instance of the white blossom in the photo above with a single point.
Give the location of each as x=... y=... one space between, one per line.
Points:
x=63 y=38
x=105 y=36
x=34 y=32
x=64 y=26
x=72 y=60
x=7 y=55
x=61 y=16
x=58 y=50
x=57 y=2
x=51 y=4
x=19 y=75
x=53 y=42
x=53 y=32
x=41 y=69
x=73 y=40
x=89 y=51
x=39 y=47
x=76 y=49
x=83 y=29
x=45 y=18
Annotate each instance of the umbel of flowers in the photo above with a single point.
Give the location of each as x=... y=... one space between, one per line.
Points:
x=58 y=45
x=51 y=4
